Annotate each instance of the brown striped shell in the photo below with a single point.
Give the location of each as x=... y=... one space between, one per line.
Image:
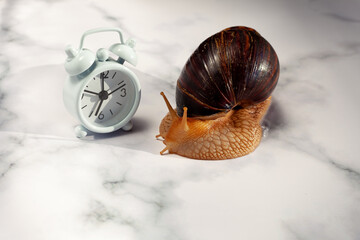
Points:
x=232 y=69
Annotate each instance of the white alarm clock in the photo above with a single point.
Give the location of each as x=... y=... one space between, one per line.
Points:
x=100 y=91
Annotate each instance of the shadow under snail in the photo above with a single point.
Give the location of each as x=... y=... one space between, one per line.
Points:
x=222 y=94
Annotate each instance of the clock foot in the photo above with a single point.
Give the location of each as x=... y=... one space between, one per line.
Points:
x=80 y=131
x=128 y=126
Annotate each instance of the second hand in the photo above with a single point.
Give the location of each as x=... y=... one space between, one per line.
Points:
x=98 y=109
x=117 y=89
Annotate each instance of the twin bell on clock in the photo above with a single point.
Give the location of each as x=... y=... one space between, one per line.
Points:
x=100 y=91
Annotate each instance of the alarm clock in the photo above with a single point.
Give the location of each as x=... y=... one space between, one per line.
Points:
x=100 y=91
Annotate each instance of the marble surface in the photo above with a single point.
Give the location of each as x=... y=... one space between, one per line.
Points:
x=303 y=181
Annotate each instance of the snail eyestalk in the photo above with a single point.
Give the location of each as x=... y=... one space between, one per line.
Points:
x=184 y=124
x=171 y=110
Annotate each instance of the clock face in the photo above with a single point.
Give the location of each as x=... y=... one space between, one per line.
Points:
x=107 y=98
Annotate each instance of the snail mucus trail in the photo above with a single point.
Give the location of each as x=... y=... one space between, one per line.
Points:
x=222 y=94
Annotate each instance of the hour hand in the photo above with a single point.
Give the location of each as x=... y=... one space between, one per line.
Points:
x=87 y=91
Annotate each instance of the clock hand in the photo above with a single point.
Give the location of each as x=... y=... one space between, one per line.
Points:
x=98 y=109
x=116 y=89
x=102 y=77
x=93 y=108
x=91 y=92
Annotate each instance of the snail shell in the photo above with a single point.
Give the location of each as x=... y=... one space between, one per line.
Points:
x=222 y=94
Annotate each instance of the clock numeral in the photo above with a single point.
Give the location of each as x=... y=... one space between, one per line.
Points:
x=105 y=74
x=101 y=116
x=123 y=90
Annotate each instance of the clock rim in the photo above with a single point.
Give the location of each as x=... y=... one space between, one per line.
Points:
x=101 y=67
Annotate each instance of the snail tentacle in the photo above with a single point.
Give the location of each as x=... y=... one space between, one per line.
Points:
x=164 y=150
x=171 y=110
x=184 y=124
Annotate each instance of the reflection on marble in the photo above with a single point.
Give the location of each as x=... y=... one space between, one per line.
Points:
x=303 y=182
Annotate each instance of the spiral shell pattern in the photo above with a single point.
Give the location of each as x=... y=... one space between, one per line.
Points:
x=234 y=68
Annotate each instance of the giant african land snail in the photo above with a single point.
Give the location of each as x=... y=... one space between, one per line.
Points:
x=222 y=94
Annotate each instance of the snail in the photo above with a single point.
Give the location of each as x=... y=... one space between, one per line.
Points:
x=222 y=94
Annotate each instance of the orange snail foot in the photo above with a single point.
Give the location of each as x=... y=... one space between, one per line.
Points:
x=220 y=136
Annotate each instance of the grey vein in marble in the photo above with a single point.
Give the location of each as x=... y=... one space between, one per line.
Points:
x=302 y=182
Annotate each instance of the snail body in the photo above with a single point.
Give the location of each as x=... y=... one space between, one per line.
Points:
x=222 y=94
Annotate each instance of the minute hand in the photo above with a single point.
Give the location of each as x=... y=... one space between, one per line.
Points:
x=116 y=89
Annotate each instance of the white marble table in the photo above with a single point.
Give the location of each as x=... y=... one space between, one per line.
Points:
x=303 y=182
